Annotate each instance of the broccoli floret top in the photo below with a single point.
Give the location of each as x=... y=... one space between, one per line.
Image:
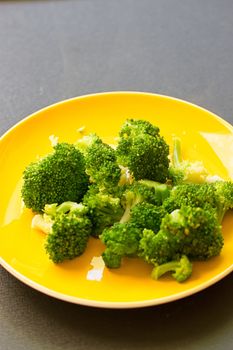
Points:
x=56 y=178
x=143 y=150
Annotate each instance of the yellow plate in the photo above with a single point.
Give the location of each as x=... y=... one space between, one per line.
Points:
x=204 y=137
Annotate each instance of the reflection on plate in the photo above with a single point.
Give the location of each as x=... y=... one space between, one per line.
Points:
x=204 y=137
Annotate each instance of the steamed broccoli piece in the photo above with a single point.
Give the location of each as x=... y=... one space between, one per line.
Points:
x=121 y=240
x=143 y=191
x=101 y=161
x=147 y=215
x=189 y=231
x=194 y=195
x=217 y=195
x=224 y=194
x=87 y=141
x=143 y=150
x=56 y=178
x=103 y=209
x=185 y=171
x=182 y=269
x=69 y=230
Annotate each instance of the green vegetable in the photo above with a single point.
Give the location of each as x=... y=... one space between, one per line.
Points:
x=147 y=215
x=101 y=161
x=143 y=150
x=68 y=231
x=217 y=195
x=185 y=171
x=103 y=209
x=182 y=269
x=56 y=178
x=121 y=240
x=143 y=191
x=189 y=231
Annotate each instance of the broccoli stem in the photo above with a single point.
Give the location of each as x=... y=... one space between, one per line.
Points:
x=65 y=207
x=176 y=155
x=160 y=270
x=131 y=201
x=162 y=191
x=181 y=269
x=42 y=223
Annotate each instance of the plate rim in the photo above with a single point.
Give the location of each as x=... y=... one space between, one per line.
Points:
x=117 y=92
x=113 y=304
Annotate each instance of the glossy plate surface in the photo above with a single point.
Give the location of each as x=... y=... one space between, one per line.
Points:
x=204 y=137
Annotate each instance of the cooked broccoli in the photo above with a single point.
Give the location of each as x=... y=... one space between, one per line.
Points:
x=194 y=195
x=121 y=240
x=194 y=232
x=143 y=191
x=182 y=269
x=185 y=171
x=68 y=230
x=147 y=215
x=87 y=141
x=103 y=209
x=224 y=194
x=56 y=178
x=101 y=161
x=143 y=150
x=217 y=195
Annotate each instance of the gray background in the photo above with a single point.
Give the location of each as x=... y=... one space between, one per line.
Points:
x=52 y=50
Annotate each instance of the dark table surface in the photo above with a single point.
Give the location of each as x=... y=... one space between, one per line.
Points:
x=53 y=50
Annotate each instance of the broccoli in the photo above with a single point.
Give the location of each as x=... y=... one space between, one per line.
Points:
x=143 y=150
x=103 y=209
x=143 y=191
x=56 y=178
x=194 y=232
x=217 y=195
x=101 y=161
x=121 y=240
x=147 y=215
x=182 y=269
x=224 y=194
x=185 y=171
x=194 y=195
x=68 y=230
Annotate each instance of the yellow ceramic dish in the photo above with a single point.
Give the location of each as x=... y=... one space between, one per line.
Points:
x=204 y=137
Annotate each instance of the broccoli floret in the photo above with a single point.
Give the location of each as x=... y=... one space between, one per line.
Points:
x=101 y=161
x=103 y=209
x=147 y=215
x=194 y=232
x=143 y=150
x=121 y=240
x=68 y=230
x=143 y=191
x=56 y=178
x=87 y=141
x=194 y=195
x=224 y=194
x=185 y=171
x=134 y=126
x=182 y=269
x=217 y=195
